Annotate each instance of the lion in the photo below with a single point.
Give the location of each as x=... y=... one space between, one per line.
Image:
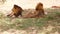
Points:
x=16 y=11
x=32 y=14
x=39 y=9
x=38 y=12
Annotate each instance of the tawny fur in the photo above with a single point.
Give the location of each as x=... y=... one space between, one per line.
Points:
x=16 y=11
x=40 y=8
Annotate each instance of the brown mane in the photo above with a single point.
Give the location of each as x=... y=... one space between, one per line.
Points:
x=16 y=11
x=39 y=8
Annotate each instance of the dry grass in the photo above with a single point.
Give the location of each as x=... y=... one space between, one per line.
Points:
x=50 y=24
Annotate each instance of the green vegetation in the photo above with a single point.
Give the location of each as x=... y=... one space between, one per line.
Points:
x=52 y=18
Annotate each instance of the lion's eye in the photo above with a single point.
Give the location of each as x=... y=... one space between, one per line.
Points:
x=15 y=8
x=41 y=4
